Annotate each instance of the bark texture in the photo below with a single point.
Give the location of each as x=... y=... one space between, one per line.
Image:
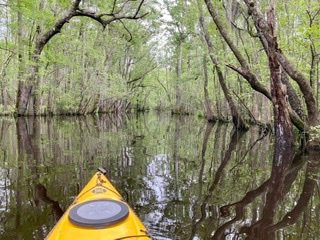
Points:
x=294 y=99
x=304 y=87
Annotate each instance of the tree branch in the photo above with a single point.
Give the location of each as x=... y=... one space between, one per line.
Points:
x=139 y=8
x=114 y=6
x=8 y=50
x=165 y=89
x=76 y=11
x=246 y=72
x=245 y=106
x=142 y=76
x=296 y=120
x=128 y=31
x=252 y=80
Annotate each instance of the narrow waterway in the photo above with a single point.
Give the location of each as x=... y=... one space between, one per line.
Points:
x=186 y=179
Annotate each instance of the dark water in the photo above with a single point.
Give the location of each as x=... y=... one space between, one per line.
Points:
x=185 y=179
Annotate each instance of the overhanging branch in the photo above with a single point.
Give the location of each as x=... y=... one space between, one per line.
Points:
x=103 y=18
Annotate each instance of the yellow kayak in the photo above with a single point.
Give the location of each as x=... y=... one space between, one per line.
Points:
x=99 y=213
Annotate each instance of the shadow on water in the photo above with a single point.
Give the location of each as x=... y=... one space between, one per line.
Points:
x=186 y=179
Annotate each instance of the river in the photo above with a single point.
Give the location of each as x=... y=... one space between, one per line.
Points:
x=186 y=179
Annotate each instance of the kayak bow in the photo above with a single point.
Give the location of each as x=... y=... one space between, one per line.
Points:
x=99 y=212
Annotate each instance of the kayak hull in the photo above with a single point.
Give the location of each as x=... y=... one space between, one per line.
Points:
x=99 y=188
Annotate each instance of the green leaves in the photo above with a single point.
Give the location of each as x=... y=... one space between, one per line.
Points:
x=315 y=132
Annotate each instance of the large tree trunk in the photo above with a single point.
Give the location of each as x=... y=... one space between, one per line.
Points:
x=294 y=100
x=263 y=29
x=23 y=88
x=245 y=70
x=36 y=94
x=283 y=152
x=282 y=124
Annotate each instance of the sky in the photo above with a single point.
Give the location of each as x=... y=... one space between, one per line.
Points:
x=161 y=40
x=3 y=10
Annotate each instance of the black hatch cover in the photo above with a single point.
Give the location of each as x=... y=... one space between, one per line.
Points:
x=98 y=213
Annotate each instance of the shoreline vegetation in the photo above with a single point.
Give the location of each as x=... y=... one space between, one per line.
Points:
x=242 y=61
x=222 y=119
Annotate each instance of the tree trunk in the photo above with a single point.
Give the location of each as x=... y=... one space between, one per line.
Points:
x=238 y=122
x=94 y=105
x=313 y=115
x=4 y=99
x=207 y=104
x=293 y=97
x=245 y=70
x=264 y=28
x=178 y=79
x=283 y=152
x=282 y=123
x=317 y=85
x=36 y=94
x=50 y=110
x=24 y=89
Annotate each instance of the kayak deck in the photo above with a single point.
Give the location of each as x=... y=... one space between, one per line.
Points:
x=99 y=189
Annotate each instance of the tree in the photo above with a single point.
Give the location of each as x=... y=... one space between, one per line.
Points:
x=31 y=84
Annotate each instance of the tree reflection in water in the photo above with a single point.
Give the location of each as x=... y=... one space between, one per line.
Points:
x=41 y=193
x=185 y=179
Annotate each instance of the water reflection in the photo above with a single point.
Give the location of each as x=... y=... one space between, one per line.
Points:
x=42 y=196
x=185 y=178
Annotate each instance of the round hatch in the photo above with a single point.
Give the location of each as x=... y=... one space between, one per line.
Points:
x=98 y=213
